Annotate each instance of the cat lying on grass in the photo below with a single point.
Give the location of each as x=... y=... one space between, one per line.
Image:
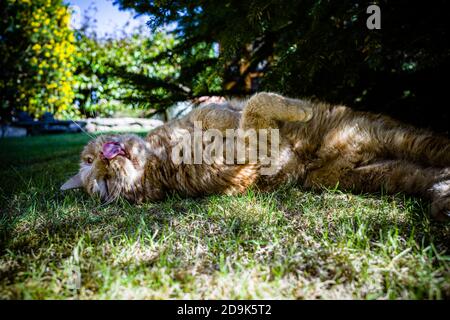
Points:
x=319 y=145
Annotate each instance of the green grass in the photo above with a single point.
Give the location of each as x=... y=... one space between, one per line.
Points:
x=290 y=244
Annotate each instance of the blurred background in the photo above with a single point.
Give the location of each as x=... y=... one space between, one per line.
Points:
x=81 y=59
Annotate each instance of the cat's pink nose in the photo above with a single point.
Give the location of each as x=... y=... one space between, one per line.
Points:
x=112 y=149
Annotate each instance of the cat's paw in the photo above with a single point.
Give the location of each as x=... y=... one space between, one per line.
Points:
x=298 y=110
x=440 y=206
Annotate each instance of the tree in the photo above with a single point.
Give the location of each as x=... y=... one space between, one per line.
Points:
x=37 y=59
x=320 y=49
x=115 y=74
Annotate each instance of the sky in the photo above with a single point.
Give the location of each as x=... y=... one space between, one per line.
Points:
x=109 y=18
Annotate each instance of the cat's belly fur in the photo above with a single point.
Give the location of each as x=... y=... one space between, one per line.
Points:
x=203 y=179
x=304 y=157
x=326 y=151
x=297 y=159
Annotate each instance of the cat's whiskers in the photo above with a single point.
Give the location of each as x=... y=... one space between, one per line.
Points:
x=83 y=130
x=133 y=189
x=112 y=196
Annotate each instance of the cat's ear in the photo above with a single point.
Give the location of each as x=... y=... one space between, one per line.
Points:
x=73 y=183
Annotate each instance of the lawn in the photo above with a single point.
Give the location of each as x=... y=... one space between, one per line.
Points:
x=290 y=244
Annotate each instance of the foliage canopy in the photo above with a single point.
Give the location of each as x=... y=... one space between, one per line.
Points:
x=105 y=67
x=301 y=48
x=321 y=49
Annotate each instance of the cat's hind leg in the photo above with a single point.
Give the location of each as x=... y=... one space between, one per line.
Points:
x=264 y=110
x=401 y=176
x=391 y=176
x=416 y=145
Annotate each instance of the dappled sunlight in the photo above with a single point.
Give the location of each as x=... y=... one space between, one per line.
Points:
x=286 y=244
x=241 y=234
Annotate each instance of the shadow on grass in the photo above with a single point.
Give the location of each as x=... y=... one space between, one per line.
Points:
x=290 y=232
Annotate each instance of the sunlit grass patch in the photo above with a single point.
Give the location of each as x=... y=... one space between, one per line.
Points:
x=288 y=244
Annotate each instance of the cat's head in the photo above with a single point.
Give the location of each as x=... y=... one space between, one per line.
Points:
x=111 y=166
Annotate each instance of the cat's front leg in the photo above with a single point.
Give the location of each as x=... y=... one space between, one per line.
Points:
x=264 y=110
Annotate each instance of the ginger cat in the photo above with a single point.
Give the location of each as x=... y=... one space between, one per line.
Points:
x=320 y=145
